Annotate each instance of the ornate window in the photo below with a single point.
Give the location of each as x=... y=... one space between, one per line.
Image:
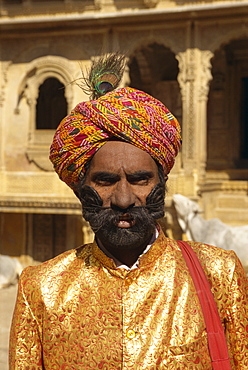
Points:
x=48 y=92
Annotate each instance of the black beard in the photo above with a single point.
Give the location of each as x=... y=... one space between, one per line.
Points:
x=103 y=220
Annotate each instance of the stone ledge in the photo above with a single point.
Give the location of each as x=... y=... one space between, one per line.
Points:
x=44 y=205
x=225 y=186
x=115 y=16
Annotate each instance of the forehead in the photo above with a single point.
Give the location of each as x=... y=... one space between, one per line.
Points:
x=116 y=155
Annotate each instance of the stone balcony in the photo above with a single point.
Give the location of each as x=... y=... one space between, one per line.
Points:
x=19 y=8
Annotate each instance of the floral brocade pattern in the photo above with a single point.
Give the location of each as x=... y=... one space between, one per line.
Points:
x=78 y=311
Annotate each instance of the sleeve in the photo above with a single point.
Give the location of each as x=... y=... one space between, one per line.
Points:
x=237 y=317
x=25 y=348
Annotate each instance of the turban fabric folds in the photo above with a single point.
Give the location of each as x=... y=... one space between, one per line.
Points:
x=125 y=114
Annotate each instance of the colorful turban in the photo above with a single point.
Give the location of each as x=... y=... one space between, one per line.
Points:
x=126 y=114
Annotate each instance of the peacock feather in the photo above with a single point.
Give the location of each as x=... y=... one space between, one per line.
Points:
x=104 y=75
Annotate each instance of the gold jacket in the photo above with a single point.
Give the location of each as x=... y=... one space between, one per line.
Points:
x=78 y=311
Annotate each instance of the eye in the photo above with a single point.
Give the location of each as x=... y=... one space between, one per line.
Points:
x=105 y=182
x=139 y=180
x=104 y=179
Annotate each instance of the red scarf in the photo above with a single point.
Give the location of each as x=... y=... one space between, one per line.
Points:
x=216 y=337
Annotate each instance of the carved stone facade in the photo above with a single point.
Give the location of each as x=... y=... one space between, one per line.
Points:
x=192 y=55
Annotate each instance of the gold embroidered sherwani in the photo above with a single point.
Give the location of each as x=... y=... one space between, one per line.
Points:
x=78 y=311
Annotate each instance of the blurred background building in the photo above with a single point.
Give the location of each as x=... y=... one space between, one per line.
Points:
x=190 y=54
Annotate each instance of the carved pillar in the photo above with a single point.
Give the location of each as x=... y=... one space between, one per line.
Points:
x=3 y=83
x=186 y=79
x=2 y=99
x=31 y=99
x=194 y=77
x=204 y=77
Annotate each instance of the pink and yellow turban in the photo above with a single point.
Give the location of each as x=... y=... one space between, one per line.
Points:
x=126 y=114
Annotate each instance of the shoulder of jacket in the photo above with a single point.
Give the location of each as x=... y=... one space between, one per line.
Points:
x=216 y=262
x=54 y=266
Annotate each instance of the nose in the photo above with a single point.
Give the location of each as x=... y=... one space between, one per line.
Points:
x=123 y=196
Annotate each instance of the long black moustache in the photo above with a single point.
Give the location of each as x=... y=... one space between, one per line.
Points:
x=92 y=203
x=108 y=218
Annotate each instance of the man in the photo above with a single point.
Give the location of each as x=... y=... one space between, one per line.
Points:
x=126 y=301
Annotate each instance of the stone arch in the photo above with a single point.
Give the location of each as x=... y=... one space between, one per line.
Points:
x=174 y=39
x=152 y=39
x=223 y=38
x=153 y=68
x=43 y=48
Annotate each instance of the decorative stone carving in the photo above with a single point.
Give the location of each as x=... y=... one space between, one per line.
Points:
x=221 y=32
x=171 y=38
x=205 y=74
x=37 y=72
x=98 y=4
x=225 y=186
x=151 y=3
x=2 y=96
x=4 y=69
x=186 y=79
x=40 y=69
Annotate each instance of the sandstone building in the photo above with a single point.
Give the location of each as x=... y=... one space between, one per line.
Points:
x=190 y=54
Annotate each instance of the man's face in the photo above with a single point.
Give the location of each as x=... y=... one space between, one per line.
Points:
x=123 y=176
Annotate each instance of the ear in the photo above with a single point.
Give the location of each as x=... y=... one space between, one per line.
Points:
x=182 y=224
